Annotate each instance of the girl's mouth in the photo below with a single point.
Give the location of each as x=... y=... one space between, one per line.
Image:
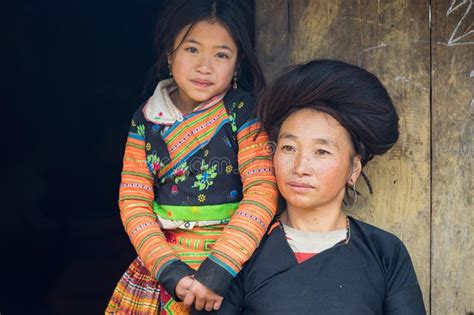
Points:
x=201 y=83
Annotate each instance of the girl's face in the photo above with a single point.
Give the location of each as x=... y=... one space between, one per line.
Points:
x=314 y=161
x=204 y=63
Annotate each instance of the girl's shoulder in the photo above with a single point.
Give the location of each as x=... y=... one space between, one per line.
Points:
x=138 y=115
x=240 y=105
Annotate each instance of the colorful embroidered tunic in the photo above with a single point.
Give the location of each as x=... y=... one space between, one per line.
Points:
x=206 y=172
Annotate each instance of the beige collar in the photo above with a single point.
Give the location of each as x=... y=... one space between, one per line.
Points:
x=159 y=108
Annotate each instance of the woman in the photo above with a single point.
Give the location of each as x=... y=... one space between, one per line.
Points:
x=327 y=119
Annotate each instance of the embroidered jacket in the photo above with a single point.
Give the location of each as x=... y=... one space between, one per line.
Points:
x=211 y=159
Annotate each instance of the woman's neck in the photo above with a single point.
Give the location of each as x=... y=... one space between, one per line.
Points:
x=314 y=220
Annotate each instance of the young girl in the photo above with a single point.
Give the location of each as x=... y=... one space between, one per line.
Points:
x=328 y=119
x=197 y=191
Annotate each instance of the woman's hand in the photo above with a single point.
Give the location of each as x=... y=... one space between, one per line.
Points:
x=183 y=286
x=202 y=297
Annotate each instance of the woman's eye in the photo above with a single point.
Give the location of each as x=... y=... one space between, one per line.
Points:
x=192 y=50
x=322 y=152
x=222 y=55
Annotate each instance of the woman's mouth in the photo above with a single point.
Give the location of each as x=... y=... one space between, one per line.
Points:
x=299 y=186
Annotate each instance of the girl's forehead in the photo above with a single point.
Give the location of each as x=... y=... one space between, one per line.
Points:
x=206 y=32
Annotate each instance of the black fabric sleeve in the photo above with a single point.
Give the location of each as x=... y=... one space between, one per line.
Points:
x=403 y=294
x=214 y=277
x=233 y=300
x=171 y=275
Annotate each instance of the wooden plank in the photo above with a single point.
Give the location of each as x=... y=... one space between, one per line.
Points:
x=391 y=39
x=272 y=35
x=452 y=136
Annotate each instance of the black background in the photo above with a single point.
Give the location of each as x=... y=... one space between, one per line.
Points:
x=75 y=72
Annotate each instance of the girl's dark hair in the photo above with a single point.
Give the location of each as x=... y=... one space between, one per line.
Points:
x=235 y=15
x=352 y=95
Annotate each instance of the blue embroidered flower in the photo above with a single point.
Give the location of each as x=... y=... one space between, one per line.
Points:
x=205 y=179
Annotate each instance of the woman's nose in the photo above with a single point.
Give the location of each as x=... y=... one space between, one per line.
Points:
x=301 y=165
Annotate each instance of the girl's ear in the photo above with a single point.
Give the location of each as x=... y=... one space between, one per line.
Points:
x=356 y=170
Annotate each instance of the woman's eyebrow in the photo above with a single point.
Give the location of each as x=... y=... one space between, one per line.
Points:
x=285 y=135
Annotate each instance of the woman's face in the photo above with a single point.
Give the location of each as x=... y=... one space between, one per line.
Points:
x=314 y=160
x=204 y=62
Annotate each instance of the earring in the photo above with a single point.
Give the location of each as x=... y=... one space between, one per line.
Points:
x=352 y=194
x=169 y=69
x=235 y=81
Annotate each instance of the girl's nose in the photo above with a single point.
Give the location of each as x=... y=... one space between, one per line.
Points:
x=204 y=64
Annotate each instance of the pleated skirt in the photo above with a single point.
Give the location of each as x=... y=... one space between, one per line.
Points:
x=139 y=293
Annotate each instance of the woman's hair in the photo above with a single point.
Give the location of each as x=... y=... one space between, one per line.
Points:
x=235 y=15
x=351 y=95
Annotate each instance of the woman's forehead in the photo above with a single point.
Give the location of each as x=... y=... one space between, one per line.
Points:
x=313 y=126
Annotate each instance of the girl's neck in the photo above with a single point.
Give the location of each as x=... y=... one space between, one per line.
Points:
x=314 y=220
x=185 y=106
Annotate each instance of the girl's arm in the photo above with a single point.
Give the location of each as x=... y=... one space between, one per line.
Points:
x=249 y=222
x=135 y=202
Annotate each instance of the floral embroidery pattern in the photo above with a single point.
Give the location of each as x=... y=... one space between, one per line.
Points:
x=227 y=141
x=205 y=179
x=201 y=197
x=155 y=130
x=228 y=169
x=174 y=190
x=241 y=104
x=141 y=130
x=232 y=120
x=181 y=172
x=148 y=146
x=154 y=163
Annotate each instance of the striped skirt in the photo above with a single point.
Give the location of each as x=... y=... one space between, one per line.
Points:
x=139 y=293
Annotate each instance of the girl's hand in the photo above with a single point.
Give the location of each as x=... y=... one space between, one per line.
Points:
x=202 y=297
x=183 y=286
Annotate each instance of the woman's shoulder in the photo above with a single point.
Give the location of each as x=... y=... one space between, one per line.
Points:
x=374 y=233
x=386 y=246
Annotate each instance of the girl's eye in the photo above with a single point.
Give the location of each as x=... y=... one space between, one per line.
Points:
x=287 y=148
x=192 y=50
x=222 y=55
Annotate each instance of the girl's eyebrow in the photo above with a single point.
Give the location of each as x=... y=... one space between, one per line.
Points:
x=223 y=46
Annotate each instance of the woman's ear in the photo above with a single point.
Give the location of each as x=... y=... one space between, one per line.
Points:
x=356 y=169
